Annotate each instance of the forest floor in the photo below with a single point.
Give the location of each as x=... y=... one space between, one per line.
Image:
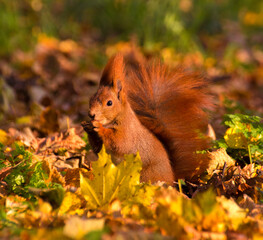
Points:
x=49 y=183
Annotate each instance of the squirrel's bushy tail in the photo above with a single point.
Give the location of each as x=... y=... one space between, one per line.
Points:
x=171 y=104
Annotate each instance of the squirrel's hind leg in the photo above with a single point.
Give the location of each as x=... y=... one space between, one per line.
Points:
x=159 y=171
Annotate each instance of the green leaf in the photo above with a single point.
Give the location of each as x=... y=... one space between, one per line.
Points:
x=206 y=201
x=53 y=196
x=244 y=137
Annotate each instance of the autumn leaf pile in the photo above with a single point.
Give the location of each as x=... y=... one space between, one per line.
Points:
x=43 y=198
x=52 y=185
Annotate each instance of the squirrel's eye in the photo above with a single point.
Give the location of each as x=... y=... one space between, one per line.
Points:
x=109 y=103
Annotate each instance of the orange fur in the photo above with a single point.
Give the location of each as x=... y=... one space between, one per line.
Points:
x=155 y=110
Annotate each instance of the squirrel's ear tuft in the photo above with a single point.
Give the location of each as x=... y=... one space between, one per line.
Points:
x=118 y=66
x=113 y=71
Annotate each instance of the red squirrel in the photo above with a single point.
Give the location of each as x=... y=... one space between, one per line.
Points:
x=154 y=110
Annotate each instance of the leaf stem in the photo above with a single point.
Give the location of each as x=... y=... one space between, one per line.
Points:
x=249 y=153
x=180 y=185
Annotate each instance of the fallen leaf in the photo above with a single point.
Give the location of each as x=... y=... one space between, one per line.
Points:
x=110 y=181
x=3 y=137
x=218 y=159
x=72 y=176
x=71 y=204
x=77 y=228
x=48 y=121
x=235 y=139
x=53 y=196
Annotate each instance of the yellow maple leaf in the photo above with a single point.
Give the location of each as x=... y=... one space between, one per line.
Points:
x=111 y=181
x=3 y=137
x=71 y=204
x=235 y=215
x=235 y=139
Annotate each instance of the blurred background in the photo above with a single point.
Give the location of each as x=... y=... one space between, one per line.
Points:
x=52 y=52
x=184 y=25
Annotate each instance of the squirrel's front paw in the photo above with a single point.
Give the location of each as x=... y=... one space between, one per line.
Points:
x=87 y=125
x=97 y=126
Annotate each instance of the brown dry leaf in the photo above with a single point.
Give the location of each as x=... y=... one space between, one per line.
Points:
x=62 y=163
x=218 y=159
x=26 y=136
x=53 y=175
x=230 y=187
x=77 y=227
x=71 y=140
x=72 y=177
x=249 y=171
x=48 y=121
x=47 y=145
x=39 y=218
x=56 y=177
x=46 y=166
x=253 y=209
x=243 y=187
x=68 y=140
x=59 y=152
x=235 y=182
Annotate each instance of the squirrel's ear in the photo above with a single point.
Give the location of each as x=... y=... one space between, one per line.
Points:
x=113 y=71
